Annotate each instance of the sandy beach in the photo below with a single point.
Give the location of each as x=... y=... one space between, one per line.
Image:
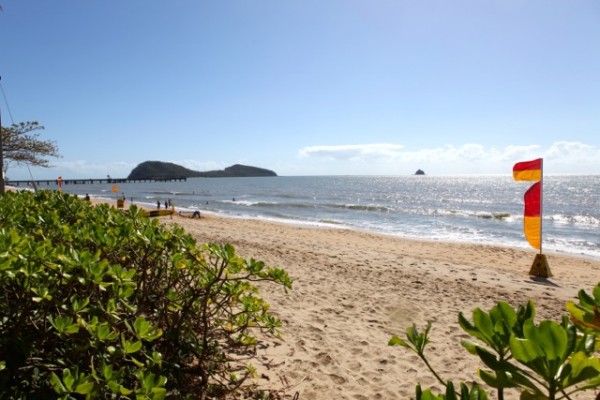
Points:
x=353 y=290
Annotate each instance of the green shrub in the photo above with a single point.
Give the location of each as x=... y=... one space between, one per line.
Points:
x=545 y=360
x=97 y=302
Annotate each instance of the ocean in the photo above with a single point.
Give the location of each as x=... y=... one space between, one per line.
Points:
x=473 y=209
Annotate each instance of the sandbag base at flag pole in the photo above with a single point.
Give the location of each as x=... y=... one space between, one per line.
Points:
x=540 y=267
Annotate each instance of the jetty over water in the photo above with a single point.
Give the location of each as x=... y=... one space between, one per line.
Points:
x=90 y=181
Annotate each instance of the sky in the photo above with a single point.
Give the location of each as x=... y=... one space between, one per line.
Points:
x=305 y=87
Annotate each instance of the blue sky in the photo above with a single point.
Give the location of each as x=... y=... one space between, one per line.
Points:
x=307 y=87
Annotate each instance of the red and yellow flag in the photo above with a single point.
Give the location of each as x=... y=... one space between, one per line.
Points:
x=528 y=170
x=532 y=225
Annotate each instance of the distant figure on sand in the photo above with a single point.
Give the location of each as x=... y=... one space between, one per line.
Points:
x=196 y=214
x=87 y=197
x=158 y=204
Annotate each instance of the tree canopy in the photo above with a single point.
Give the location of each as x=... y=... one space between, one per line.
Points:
x=21 y=144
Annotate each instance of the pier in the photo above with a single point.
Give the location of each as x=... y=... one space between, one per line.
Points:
x=90 y=181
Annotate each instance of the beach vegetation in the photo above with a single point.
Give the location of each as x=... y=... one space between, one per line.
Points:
x=22 y=144
x=103 y=303
x=545 y=360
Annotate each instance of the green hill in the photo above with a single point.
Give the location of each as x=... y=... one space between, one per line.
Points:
x=166 y=170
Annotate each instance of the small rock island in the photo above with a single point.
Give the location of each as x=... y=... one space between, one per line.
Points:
x=167 y=170
x=420 y=172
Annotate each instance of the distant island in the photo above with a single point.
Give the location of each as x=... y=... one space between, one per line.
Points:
x=420 y=172
x=167 y=170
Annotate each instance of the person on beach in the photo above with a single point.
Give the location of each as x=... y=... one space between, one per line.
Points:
x=158 y=204
x=87 y=197
x=196 y=214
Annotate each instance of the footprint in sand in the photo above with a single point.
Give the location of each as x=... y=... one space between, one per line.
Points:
x=324 y=359
x=337 y=379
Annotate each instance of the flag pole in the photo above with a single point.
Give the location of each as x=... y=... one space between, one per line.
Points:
x=540 y=267
x=541 y=202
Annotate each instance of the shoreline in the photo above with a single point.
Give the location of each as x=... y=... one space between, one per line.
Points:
x=333 y=226
x=502 y=235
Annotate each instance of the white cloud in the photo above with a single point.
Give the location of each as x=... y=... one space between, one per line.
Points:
x=370 y=159
x=563 y=156
x=352 y=151
x=572 y=151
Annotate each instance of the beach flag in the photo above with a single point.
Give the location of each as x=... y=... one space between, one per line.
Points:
x=533 y=213
x=528 y=170
x=532 y=216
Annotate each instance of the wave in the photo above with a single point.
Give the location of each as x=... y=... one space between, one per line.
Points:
x=366 y=207
x=354 y=207
x=175 y=193
x=496 y=215
x=585 y=220
x=375 y=208
x=268 y=204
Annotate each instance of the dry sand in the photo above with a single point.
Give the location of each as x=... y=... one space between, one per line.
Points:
x=353 y=290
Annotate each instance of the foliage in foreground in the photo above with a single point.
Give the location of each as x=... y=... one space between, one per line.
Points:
x=103 y=303
x=545 y=360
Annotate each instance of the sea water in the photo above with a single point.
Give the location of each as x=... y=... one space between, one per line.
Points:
x=473 y=209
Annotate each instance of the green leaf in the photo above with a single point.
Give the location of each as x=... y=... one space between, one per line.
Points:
x=504 y=313
x=68 y=379
x=144 y=330
x=107 y=371
x=552 y=338
x=57 y=384
x=474 y=393
x=138 y=363
x=159 y=393
x=124 y=391
x=396 y=341
x=130 y=347
x=526 y=395
x=103 y=332
x=141 y=327
x=84 y=388
x=450 y=392
x=484 y=325
x=525 y=350
x=498 y=380
x=114 y=386
x=64 y=324
x=470 y=346
x=583 y=368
